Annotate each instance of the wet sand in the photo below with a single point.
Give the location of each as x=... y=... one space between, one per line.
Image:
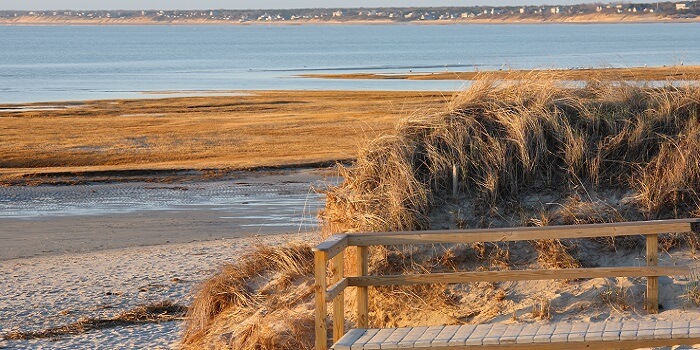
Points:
x=53 y=220
x=96 y=250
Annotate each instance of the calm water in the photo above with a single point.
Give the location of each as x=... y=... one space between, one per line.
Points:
x=90 y=62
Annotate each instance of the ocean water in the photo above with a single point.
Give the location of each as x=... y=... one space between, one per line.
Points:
x=57 y=63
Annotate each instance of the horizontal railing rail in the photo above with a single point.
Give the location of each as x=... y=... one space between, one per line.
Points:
x=332 y=249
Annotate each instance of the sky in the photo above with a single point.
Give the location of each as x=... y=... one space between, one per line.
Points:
x=253 y=4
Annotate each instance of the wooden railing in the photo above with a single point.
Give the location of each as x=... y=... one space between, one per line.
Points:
x=333 y=250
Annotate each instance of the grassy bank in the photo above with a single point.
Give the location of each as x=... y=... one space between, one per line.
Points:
x=598 y=153
x=268 y=128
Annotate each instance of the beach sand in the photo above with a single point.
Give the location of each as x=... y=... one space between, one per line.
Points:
x=96 y=250
x=48 y=291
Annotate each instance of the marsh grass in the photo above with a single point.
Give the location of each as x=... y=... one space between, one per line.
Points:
x=115 y=139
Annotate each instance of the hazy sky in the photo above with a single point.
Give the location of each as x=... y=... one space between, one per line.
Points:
x=252 y=4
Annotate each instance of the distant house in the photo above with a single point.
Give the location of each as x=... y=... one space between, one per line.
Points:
x=338 y=13
x=522 y=10
x=681 y=6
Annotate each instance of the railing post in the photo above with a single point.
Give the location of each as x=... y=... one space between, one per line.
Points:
x=320 y=285
x=337 y=269
x=652 y=300
x=362 y=296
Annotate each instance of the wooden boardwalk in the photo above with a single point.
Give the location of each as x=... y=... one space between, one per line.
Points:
x=607 y=335
x=532 y=336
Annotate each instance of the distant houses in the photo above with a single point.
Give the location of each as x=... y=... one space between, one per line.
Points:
x=685 y=10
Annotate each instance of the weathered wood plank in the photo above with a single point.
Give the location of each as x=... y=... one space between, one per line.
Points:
x=561 y=333
x=332 y=246
x=577 y=333
x=680 y=329
x=395 y=338
x=320 y=259
x=629 y=331
x=612 y=331
x=337 y=271
x=461 y=335
x=410 y=339
x=517 y=275
x=348 y=339
x=527 y=335
x=511 y=333
x=359 y=344
x=544 y=334
x=645 y=330
x=379 y=338
x=362 y=297
x=603 y=345
x=445 y=336
x=663 y=330
x=495 y=333
x=520 y=233
x=477 y=336
x=335 y=289
x=595 y=332
x=601 y=335
x=652 y=297
x=430 y=334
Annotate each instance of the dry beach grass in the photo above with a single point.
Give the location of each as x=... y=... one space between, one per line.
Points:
x=257 y=129
x=533 y=152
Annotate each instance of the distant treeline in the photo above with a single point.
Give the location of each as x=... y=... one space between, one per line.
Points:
x=675 y=10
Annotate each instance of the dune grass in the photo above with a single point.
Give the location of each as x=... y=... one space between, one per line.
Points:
x=584 y=145
x=261 y=302
x=514 y=138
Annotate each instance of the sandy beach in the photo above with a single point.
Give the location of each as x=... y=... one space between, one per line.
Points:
x=49 y=291
x=93 y=251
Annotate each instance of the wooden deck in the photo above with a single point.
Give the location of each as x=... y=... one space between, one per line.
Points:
x=533 y=336
x=606 y=335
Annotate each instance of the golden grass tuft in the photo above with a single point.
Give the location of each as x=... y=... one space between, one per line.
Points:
x=509 y=139
x=602 y=151
x=258 y=303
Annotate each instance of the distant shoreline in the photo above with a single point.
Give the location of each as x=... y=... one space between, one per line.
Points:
x=574 y=19
x=666 y=73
